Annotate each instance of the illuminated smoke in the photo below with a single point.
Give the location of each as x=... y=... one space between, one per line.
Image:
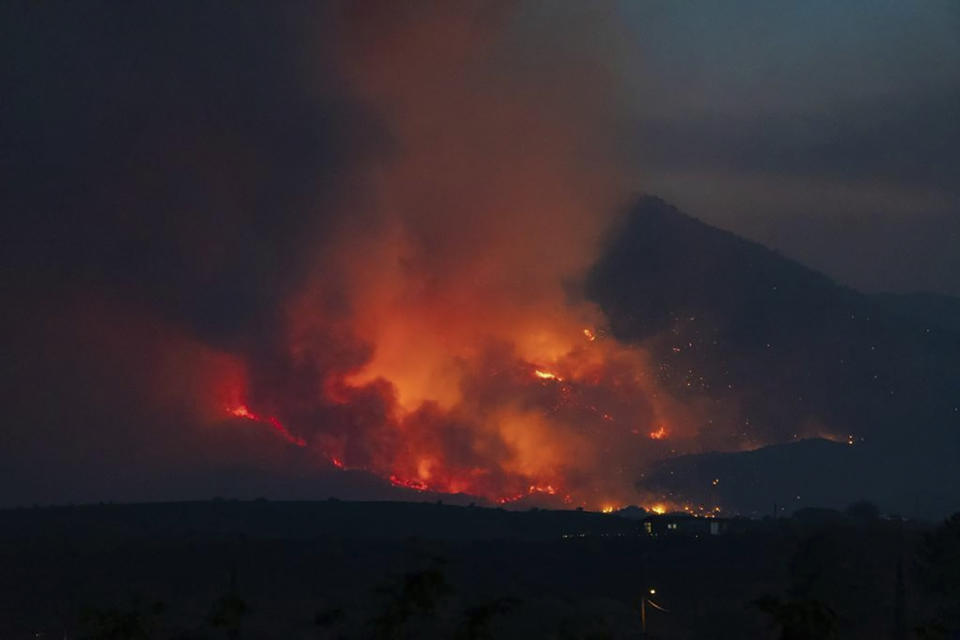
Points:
x=439 y=341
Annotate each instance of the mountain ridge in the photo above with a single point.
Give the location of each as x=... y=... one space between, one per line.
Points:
x=778 y=352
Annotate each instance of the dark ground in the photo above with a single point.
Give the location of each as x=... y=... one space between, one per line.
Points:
x=226 y=569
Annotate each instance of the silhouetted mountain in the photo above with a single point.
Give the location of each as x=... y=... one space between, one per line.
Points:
x=778 y=353
x=932 y=309
x=791 y=476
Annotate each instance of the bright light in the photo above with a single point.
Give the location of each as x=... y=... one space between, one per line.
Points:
x=589 y=335
x=659 y=509
x=242 y=411
x=546 y=375
x=607 y=508
x=659 y=434
x=653 y=592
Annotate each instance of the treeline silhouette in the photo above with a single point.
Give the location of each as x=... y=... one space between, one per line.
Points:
x=819 y=574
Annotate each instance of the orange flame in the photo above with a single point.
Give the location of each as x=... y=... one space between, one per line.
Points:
x=659 y=434
x=242 y=411
x=546 y=375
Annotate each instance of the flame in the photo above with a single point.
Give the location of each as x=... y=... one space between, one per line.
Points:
x=434 y=340
x=242 y=411
x=531 y=490
x=659 y=434
x=546 y=375
x=659 y=508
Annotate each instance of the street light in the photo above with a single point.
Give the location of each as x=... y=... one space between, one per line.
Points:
x=644 y=601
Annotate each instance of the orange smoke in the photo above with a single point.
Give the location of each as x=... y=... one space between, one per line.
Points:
x=439 y=341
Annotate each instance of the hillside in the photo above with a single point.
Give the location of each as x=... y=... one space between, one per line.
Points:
x=781 y=353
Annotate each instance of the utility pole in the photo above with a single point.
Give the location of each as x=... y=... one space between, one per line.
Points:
x=644 y=601
x=643 y=617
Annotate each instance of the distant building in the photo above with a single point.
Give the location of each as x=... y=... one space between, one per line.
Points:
x=683 y=524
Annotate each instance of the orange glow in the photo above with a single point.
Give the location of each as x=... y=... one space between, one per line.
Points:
x=531 y=491
x=659 y=509
x=416 y=485
x=434 y=340
x=607 y=508
x=659 y=434
x=242 y=411
x=546 y=375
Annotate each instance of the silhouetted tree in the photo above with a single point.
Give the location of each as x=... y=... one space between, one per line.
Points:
x=863 y=511
x=328 y=618
x=417 y=594
x=800 y=619
x=851 y=571
x=939 y=573
x=136 y=623
x=477 y=623
x=228 y=613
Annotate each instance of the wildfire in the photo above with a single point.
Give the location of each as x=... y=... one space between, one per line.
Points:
x=242 y=411
x=607 y=508
x=659 y=508
x=659 y=434
x=546 y=375
x=416 y=485
x=531 y=490
x=589 y=335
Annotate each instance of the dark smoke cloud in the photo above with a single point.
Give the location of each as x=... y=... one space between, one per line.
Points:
x=212 y=205
x=368 y=221
x=173 y=155
x=167 y=174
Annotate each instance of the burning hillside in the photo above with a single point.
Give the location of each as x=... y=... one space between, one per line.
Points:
x=438 y=340
x=394 y=238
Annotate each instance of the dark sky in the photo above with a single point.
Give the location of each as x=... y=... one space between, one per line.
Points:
x=827 y=130
x=185 y=182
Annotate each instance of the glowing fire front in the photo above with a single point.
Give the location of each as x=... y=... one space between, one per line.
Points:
x=509 y=431
x=546 y=375
x=659 y=434
x=241 y=411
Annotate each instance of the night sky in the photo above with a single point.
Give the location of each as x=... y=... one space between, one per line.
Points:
x=246 y=244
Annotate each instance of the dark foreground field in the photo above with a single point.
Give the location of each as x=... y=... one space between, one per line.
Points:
x=333 y=569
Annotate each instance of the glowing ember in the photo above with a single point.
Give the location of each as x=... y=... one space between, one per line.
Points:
x=548 y=489
x=532 y=490
x=242 y=411
x=607 y=508
x=589 y=335
x=546 y=375
x=416 y=485
x=659 y=434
